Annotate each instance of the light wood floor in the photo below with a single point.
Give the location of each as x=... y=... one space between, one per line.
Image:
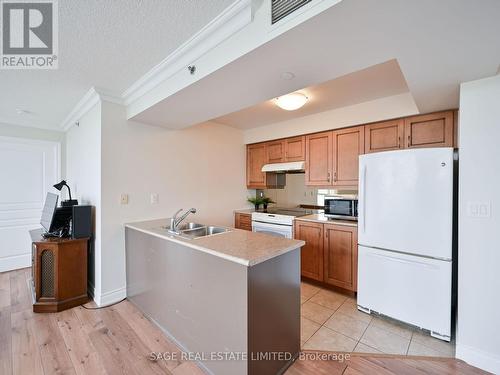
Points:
x=119 y=340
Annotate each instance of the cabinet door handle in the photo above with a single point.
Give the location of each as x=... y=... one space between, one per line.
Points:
x=399 y=142
x=409 y=140
x=328 y=178
x=335 y=177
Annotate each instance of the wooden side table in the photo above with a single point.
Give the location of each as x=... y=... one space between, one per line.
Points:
x=59 y=272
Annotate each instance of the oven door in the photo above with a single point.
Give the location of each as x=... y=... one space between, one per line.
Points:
x=277 y=230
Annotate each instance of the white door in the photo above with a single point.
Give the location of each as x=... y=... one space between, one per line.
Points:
x=409 y=288
x=406 y=201
x=28 y=169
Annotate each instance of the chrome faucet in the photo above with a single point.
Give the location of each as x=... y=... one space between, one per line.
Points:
x=174 y=221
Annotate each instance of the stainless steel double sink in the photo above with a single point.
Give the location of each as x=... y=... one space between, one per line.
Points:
x=195 y=230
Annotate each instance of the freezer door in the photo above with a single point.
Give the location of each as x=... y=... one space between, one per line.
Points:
x=412 y=289
x=406 y=201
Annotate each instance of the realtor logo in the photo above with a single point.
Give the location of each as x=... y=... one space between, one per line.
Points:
x=29 y=34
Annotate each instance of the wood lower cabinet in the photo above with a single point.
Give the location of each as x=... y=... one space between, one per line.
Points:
x=384 y=136
x=256 y=158
x=348 y=144
x=276 y=151
x=330 y=254
x=311 y=255
x=432 y=130
x=243 y=221
x=295 y=149
x=319 y=159
x=341 y=256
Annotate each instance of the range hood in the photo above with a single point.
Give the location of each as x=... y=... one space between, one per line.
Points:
x=294 y=166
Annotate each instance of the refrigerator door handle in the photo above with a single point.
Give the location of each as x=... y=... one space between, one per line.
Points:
x=404 y=261
x=362 y=202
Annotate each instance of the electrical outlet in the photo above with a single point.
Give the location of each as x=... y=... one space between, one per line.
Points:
x=155 y=198
x=124 y=199
x=479 y=209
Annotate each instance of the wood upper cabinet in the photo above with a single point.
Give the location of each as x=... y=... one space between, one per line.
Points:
x=341 y=256
x=319 y=159
x=256 y=158
x=432 y=130
x=276 y=151
x=384 y=136
x=311 y=254
x=295 y=149
x=348 y=144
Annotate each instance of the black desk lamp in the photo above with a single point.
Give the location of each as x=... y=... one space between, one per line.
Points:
x=67 y=203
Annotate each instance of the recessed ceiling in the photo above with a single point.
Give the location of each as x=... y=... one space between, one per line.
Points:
x=438 y=45
x=372 y=83
x=102 y=43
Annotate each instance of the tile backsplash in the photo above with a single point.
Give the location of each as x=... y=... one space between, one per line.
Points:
x=296 y=192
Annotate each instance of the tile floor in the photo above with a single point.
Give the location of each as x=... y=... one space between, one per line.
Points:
x=331 y=321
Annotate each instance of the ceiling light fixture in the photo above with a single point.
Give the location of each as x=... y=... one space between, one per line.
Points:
x=291 y=102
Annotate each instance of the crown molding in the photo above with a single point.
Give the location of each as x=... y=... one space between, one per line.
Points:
x=86 y=103
x=230 y=21
x=227 y=23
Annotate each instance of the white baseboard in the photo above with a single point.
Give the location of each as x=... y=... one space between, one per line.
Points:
x=483 y=360
x=110 y=297
x=15 y=262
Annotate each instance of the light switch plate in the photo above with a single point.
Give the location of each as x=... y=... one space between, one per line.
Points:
x=124 y=199
x=479 y=209
x=155 y=198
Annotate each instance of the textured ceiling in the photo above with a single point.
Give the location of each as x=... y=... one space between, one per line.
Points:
x=102 y=43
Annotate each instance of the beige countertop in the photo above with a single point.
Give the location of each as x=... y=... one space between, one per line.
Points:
x=320 y=218
x=240 y=246
x=246 y=211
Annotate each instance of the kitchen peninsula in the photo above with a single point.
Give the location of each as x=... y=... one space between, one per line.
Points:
x=235 y=291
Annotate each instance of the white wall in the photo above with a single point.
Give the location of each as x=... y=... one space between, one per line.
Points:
x=83 y=164
x=201 y=167
x=376 y=110
x=478 y=329
x=9 y=130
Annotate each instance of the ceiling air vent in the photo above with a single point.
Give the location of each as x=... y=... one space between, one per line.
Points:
x=282 y=8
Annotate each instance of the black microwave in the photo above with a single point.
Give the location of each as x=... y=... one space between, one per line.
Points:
x=341 y=208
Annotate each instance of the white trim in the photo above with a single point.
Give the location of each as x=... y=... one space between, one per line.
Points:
x=89 y=100
x=475 y=357
x=15 y=262
x=231 y=20
x=110 y=297
x=108 y=96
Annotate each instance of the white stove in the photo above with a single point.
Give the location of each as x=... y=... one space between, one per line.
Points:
x=277 y=221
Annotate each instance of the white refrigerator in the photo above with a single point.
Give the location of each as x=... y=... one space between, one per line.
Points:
x=405 y=231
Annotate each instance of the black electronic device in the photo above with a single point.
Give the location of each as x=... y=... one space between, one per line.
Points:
x=81 y=222
x=67 y=221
